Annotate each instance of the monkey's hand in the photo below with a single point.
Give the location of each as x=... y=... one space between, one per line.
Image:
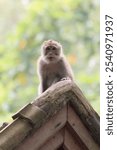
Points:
x=65 y=78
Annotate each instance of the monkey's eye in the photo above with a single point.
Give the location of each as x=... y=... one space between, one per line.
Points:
x=48 y=48
x=53 y=48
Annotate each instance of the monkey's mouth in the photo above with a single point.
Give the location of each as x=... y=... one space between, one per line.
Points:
x=50 y=58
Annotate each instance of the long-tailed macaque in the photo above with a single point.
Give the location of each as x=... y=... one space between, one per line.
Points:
x=52 y=65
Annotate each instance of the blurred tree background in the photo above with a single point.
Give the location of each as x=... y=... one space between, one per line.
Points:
x=24 y=25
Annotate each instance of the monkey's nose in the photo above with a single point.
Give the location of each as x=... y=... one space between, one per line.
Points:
x=50 y=53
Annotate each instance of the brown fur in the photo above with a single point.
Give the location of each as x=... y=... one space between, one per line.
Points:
x=52 y=66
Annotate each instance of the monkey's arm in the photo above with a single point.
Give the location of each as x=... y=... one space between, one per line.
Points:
x=66 y=71
x=42 y=76
x=43 y=86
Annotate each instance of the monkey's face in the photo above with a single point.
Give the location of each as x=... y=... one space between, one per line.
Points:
x=52 y=51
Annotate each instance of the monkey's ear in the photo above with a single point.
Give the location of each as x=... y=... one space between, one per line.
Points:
x=45 y=42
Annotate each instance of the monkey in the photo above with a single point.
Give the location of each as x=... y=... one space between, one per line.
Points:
x=52 y=65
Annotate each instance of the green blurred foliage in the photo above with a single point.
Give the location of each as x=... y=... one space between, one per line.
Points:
x=74 y=23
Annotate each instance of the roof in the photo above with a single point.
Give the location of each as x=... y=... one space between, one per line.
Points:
x=75 y=116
